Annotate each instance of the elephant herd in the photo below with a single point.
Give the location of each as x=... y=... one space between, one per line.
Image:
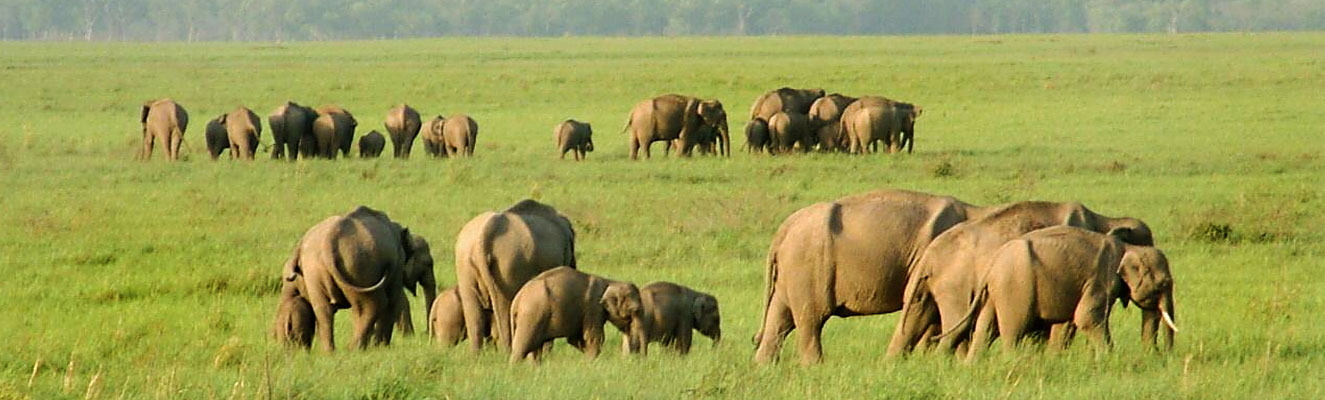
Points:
x=519 y=287
x=961 y=275
x=781 y=121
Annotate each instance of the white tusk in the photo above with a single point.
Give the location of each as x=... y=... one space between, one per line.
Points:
x=1168 y=320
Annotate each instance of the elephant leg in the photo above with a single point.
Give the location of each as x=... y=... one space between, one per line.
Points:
x=325 y=317
x=634 y=147
x=777 y=324
x=1093 y=321
x=646 y=144
x=176 y=139
x=148 y=141
x=476 y=319
x=501 y=308
x=917 y=317
x=683 y=338
x=1060 y=335
x=404 y=322
x=927 y=339
x=593 y=340
x=809 y=339
x=366 y=314
x=527 y=339
x=397 y=308
x=984 y=332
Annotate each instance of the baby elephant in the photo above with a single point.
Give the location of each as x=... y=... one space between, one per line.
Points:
x=370 y=145
x=565 y=303
x=1068 y=275
x=572 y=135
x=216 y=135
x=447 y=319
x=672 y=311
x=294 y=320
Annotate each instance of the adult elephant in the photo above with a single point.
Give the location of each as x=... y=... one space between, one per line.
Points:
x=163 y=120
x=787 y=129
x=845 y=258
x=433 y=141
x=353 y=261
x=402 y=124
x=292 y=131
x=243 y=129
x=334 y=130
x=216 y=136
x=784 y=99
x=826 y=121
x=496 y=253
x=674 y=116
x=943 y=282
x=459 y=134
x=871 y=119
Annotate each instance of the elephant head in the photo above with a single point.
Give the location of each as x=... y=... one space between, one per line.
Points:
x=1146 y=281
x=713 y=115
x=625 y=309
x=588 y=140
x=707 y=318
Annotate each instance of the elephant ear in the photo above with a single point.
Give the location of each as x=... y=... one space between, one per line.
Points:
x=1121 y=232
x=147 y=108
x=703 y=305
x=407 y=243
x=692 y=110
x=291 y=270
x=617 y=303
x=1076 y=216
x=221 y=119
x=916 y=111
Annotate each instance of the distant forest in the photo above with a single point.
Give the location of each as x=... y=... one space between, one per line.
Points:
x=286 y=20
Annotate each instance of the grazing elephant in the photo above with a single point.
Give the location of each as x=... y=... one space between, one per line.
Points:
x=672 y=312
x=243 y=129
x=565 y=303
x=673 y=116
x=497 y=252
x=403 y=124
x=166 y=121
x=943 y=282
x=870 y=119
x=788 y=129
x=353 y=261
x=446 y=320
x=784 y=99
x=433 y=141
x=706 y=141
x=845 y=258
x=1070 y=275
x=757 y=138
x=334 y=129
x=826 y=121
x=217 y=137
x=292 y=131
x=370 y=145
x=418 y=274
x=459 y=135
x=294 y=325
x=572 y=135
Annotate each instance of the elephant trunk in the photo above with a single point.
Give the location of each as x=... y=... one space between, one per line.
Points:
x=429 y=295
x=1168 y=313
x=717 y=337
x=726 y=138
x=638 y=339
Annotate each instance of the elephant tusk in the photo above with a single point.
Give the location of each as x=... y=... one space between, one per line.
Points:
x=1168 y=320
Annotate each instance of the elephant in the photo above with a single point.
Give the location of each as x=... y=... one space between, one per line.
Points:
x=846 y=258
x=294 y=325
x=784 y=99
x=446 y=320
x=706 y=141
x=458 y=133
x=403 y=124
x=334 y=129
x=163 y=120
x=1069 y=275
x=870 y=119
x=418 y=273
x=826 y=121
x=217 y=140
x=672 y=312
x=757 y=138
x=497 y=252
x=243 y=129
x=353 y=261
x=674 y=116
x=787 y=129
x=292 y=131
x=370 y=145
x=943 y=282
x=565 y=303
x=433 y=141
x=574 y=136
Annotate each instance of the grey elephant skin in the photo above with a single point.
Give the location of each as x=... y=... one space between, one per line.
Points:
x=403 y=124
x=418 y=274
x=371 y=144
x=353 y=261
x=942 y=284
x=566 y=303
x=1069 y=275
x=446 y=319
x=845 y=258
x=675 y=117
x=166 y=121
x=826 y=121
x=294 y=325
x=292 y=131
x=243 y=130
x=334 y=130
x=757 y=138
x=789 y=129
x=673 y=312
x=784 y=99
x=573 y=136
x=218 y=139
x=432 y=137
x=458 y=134
x=496 y=253
x=872 y=119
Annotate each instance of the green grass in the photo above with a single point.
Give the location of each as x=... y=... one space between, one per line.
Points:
x=159 y=279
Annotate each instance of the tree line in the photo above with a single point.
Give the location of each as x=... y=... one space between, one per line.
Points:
x=283 y=20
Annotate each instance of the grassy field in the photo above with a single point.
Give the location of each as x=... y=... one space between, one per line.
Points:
x=158 y=280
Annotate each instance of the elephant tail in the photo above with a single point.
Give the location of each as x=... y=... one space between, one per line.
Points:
x=965 y=324
x=335 y=265
x=770 y=280
x=483 y=261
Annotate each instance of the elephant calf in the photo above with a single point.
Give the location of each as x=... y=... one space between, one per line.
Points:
x=370 y=145
x=565 y=303
x=447 y=319
x=432 y=137
x=756 y=136
x=572 y=135
x=787 y=129
x=294 y=320
x=217 y=141
x=1065 y=274
x=672 y=311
